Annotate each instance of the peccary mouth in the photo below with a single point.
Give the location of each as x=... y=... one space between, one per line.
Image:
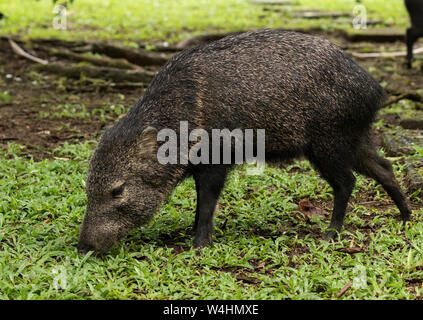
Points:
x=101 y=238
x=98 y=239
x=84 y=248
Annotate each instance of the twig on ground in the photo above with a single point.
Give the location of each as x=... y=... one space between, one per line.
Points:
x=384 y=54
x=19 y=51
x=116 y=75
x=97 y=61
x=139 y=57
x=409 y=242
x=344 y=289
x=413 y=96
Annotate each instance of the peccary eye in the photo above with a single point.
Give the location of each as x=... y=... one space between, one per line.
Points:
x=117 y=192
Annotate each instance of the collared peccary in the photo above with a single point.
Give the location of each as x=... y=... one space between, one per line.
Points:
x=415 y=10
x=308 y=95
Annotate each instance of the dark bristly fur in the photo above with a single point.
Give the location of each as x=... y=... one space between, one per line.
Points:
x=415 y=10
x=309 y=96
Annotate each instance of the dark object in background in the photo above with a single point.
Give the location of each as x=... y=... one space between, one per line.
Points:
x=415 y=10
x=311 y=98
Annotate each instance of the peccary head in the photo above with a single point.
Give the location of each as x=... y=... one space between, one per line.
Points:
x=125 y=185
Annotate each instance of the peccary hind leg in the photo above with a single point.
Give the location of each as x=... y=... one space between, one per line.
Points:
x=209 y=181
x=371 y=165
x=410 y=39
x=338 y=172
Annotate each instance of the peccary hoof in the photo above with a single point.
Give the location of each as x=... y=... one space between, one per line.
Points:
x=202 y=242
x=331 y=235
x=406 y=220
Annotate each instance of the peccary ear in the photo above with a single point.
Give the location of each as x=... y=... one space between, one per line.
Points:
x=147 y=145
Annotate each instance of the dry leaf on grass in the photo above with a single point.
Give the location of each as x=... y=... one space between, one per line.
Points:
x=247 y=279
x=178 y=249
x=350 y=250
x=309 y=210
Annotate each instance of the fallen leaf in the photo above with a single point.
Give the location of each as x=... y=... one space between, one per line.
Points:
x=138 y=291
x=309 y=210
x=247 y=279
x=257 y=266
x=350 y=250
x=178 y=249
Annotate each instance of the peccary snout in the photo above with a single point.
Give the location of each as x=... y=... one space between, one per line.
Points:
x=96 y=235
x=84 y=248
x=415 y=11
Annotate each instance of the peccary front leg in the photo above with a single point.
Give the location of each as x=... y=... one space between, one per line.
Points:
x=342 y=182
x=209 y=181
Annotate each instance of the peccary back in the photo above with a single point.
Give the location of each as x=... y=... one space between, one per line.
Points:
x=308 y=95
x=297 y=87
x=415 y=11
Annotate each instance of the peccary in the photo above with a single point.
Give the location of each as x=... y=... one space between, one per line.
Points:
x=308 y=95
x=415 y=10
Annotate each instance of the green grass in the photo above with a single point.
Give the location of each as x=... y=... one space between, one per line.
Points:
x=262 y=249
x=152 y=20
x=69 y=110
x=5 y=97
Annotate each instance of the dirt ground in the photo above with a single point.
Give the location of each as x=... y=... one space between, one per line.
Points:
x=29 y=117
